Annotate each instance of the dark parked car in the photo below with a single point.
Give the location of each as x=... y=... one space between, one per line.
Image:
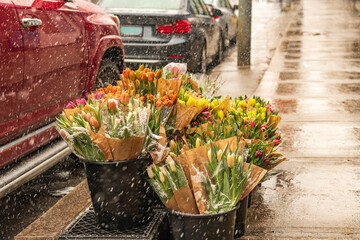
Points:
x=51 y=52
x=161 y=31
x=227 y=18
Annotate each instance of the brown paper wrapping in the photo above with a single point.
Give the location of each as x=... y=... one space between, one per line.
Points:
x=171 y=204
x=197 y=159
x=224 y=105
x=183 y=162
x=125 y=149
x=274 y=119
x=185 y=114
x=256 y=174
x=185 y=200
x=167 y=85
x=278 y=155
x=101 y=140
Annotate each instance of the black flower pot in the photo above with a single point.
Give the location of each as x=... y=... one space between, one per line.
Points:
x=202 y=226
x=241 y=214
x=121 y=196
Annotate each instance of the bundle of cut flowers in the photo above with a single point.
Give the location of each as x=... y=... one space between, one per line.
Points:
x=105 y=129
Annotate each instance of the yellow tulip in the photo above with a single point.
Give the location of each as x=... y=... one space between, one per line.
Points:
x=191 y=101
x=243 y=104
x=251 y=102
x=220 y=114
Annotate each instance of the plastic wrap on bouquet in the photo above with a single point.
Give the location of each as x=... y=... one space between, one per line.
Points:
x=161 y=151
x=197 y=159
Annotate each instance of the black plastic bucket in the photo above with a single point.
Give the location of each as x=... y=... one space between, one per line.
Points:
x=241 y=214
x=202 y=226
x=121 y=196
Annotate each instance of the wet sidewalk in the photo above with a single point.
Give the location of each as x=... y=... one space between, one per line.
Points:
x=314 y=80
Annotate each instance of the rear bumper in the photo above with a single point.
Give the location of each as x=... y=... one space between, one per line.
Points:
x=159 y=54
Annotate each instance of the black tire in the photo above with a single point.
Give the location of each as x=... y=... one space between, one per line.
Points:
x=108 y=73
x=202 y=67
x=220 y=54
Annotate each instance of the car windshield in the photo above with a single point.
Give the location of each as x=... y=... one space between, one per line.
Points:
x=141 y=4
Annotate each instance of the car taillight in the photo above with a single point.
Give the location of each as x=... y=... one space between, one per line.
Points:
x=181 y=26
x=166 y=28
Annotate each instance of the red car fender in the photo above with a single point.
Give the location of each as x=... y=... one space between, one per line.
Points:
x=105 y=43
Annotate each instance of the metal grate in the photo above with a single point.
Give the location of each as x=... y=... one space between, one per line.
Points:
x=87 y=227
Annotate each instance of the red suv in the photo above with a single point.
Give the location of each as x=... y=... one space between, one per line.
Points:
x=51 y=52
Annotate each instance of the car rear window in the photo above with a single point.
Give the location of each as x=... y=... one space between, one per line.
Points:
x=142 y=4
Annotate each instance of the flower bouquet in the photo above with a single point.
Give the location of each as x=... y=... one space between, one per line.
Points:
x=208 y=152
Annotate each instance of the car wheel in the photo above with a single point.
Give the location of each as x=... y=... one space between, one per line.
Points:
x=220 y=54
x=108 y=73
x=203 y=61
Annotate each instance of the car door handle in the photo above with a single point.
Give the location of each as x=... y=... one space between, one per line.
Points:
x=31 y=22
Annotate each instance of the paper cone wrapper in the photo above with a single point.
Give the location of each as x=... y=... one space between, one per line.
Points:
x=256 y=174
x=197 y=159
x=224 y=106
x=171 y=204
x=281 y=159
x=161 y=152
x=185 y=114
x=183 y=162
x=125 y=149
x=101 y=140
x=167 y=85
x=274 y=119
x=185 y=200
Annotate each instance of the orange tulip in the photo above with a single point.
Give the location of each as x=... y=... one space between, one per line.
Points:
x=158 y=73
x=94 y=122
x=151 y=76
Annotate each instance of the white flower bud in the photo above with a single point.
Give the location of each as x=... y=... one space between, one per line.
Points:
x=219 y=154
x=162 y=178
x=198 y=143
x=150 y=172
